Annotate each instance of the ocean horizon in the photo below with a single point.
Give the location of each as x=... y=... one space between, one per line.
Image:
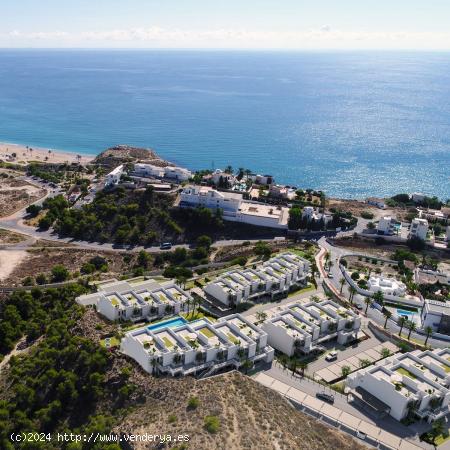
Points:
x=351 y=123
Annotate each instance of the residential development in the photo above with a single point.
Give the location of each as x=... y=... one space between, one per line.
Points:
x=125 y=300
x=234 y=208
x=303 y=327
x=274 y=277
x=199 y=346
x=410 y=384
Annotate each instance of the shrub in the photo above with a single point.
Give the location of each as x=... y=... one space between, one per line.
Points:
x=212 y=424
x=355 y=276
x=59 y=273
x=193 y=403
x=367 y=215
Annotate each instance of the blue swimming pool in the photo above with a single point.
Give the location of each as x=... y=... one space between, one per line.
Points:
x=171 y=323
x=402 y=312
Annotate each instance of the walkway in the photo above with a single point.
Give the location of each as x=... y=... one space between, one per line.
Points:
x=342 y=420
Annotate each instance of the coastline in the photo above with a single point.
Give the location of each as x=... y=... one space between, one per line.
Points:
x=26 y=154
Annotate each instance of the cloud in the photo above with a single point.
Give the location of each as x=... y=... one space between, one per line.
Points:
x=323 y=37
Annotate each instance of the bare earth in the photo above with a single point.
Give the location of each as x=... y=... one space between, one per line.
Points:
x=25 y=155
x=17 y=194
x=9 y=260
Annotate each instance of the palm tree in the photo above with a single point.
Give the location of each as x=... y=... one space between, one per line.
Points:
x=327 y=258
x=429 y=332
x=345 y=370
x=388 y=315
x=368 y=302
x=330 y=265
x=378 y=297
x=401 y=323
x=352 y=293
x=293 y=366
x=411 y=327
x=314 y=269
x=341 y=282
x=303 y=366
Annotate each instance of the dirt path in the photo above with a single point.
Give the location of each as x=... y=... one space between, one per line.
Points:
x=12 y=353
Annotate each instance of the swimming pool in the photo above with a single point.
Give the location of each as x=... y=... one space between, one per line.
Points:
x=171 y=323
x=402 y=312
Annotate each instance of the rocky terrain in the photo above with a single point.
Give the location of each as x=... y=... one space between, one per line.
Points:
x=120 y=154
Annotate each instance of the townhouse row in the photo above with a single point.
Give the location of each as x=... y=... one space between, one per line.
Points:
x=197 y=347
x=410 y=384
x=303 y=327
x=146 y=300
x=274 y=277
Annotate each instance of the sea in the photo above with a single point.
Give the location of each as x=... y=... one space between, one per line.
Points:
x=353 y=124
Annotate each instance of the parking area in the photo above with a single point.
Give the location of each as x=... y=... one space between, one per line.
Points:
x=334 y=370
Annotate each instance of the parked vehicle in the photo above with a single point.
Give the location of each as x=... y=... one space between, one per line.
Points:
x=166 y=246
x=361 y=435
x=325 y=397
x=332 y=356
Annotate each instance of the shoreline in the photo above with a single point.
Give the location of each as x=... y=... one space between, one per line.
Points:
x=28 y=153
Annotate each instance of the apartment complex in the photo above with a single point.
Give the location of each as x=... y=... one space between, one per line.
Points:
x=274 y=277
x=149 y=299
x=303 y=327
x=234 y=208
x=170 y=172
x=418 y=229
x=198 y=347
x=415 y=383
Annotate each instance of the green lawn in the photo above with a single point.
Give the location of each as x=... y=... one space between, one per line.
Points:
x=207 y=332
x=114 y=342
x=406 y=372
x=301 y=291
x=197 y=315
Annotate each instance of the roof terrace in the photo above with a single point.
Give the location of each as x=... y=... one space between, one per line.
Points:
x=161 y=295
x=115 y=300
x=147 y=297
x=297 y=322
x=245 y=328
x=177 y=294
x=306 y=316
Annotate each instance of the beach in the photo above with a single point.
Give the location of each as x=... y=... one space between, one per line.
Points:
x=26 y=154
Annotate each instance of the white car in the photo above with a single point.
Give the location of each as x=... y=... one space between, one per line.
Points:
x=332 y=356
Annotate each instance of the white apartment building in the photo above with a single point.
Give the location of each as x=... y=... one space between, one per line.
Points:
x=414 y=383
x=234 y=207
x=388 y=286
x=197 y=347
x=436 y=315
x=300 y=328
x=274 y=277
x=435 y=215
x=169 y=172
x=419 y=229
x=386 y=225
x=149 y=299
x=113 y=177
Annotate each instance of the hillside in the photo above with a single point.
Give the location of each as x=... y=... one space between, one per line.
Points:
x=120 y=154
x=66 y=381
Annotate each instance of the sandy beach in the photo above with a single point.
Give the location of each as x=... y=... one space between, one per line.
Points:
x=25 y=154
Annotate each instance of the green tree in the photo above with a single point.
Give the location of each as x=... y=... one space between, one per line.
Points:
x=368 y=302
x=345 y=371
x=387 y=314
x=378 y=297
x=401 y=323
x=429 y=332
x=59 y=273
x=341 y=282
x=411 y=327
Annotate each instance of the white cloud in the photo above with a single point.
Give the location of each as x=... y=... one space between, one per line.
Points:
x=323 y=37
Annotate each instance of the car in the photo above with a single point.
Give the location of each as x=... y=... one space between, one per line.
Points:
x=166 y=246
x=329 y=398
x=361 y=435
x=330 y=275
x=332 y=356
x=360 y=307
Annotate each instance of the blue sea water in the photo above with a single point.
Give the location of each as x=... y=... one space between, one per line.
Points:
x=353 y=124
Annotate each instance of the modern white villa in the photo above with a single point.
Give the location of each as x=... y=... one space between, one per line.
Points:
x=170 y=172
x=149 y=299
x=388 y=286
x=275 y=276
x=197 y=347
x=302 y=327
x=309 y=213
x=113 y=177
x=436 y=315
x=415 y=383
x=234 y=208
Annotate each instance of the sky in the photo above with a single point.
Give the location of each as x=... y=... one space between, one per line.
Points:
x=227 y=24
